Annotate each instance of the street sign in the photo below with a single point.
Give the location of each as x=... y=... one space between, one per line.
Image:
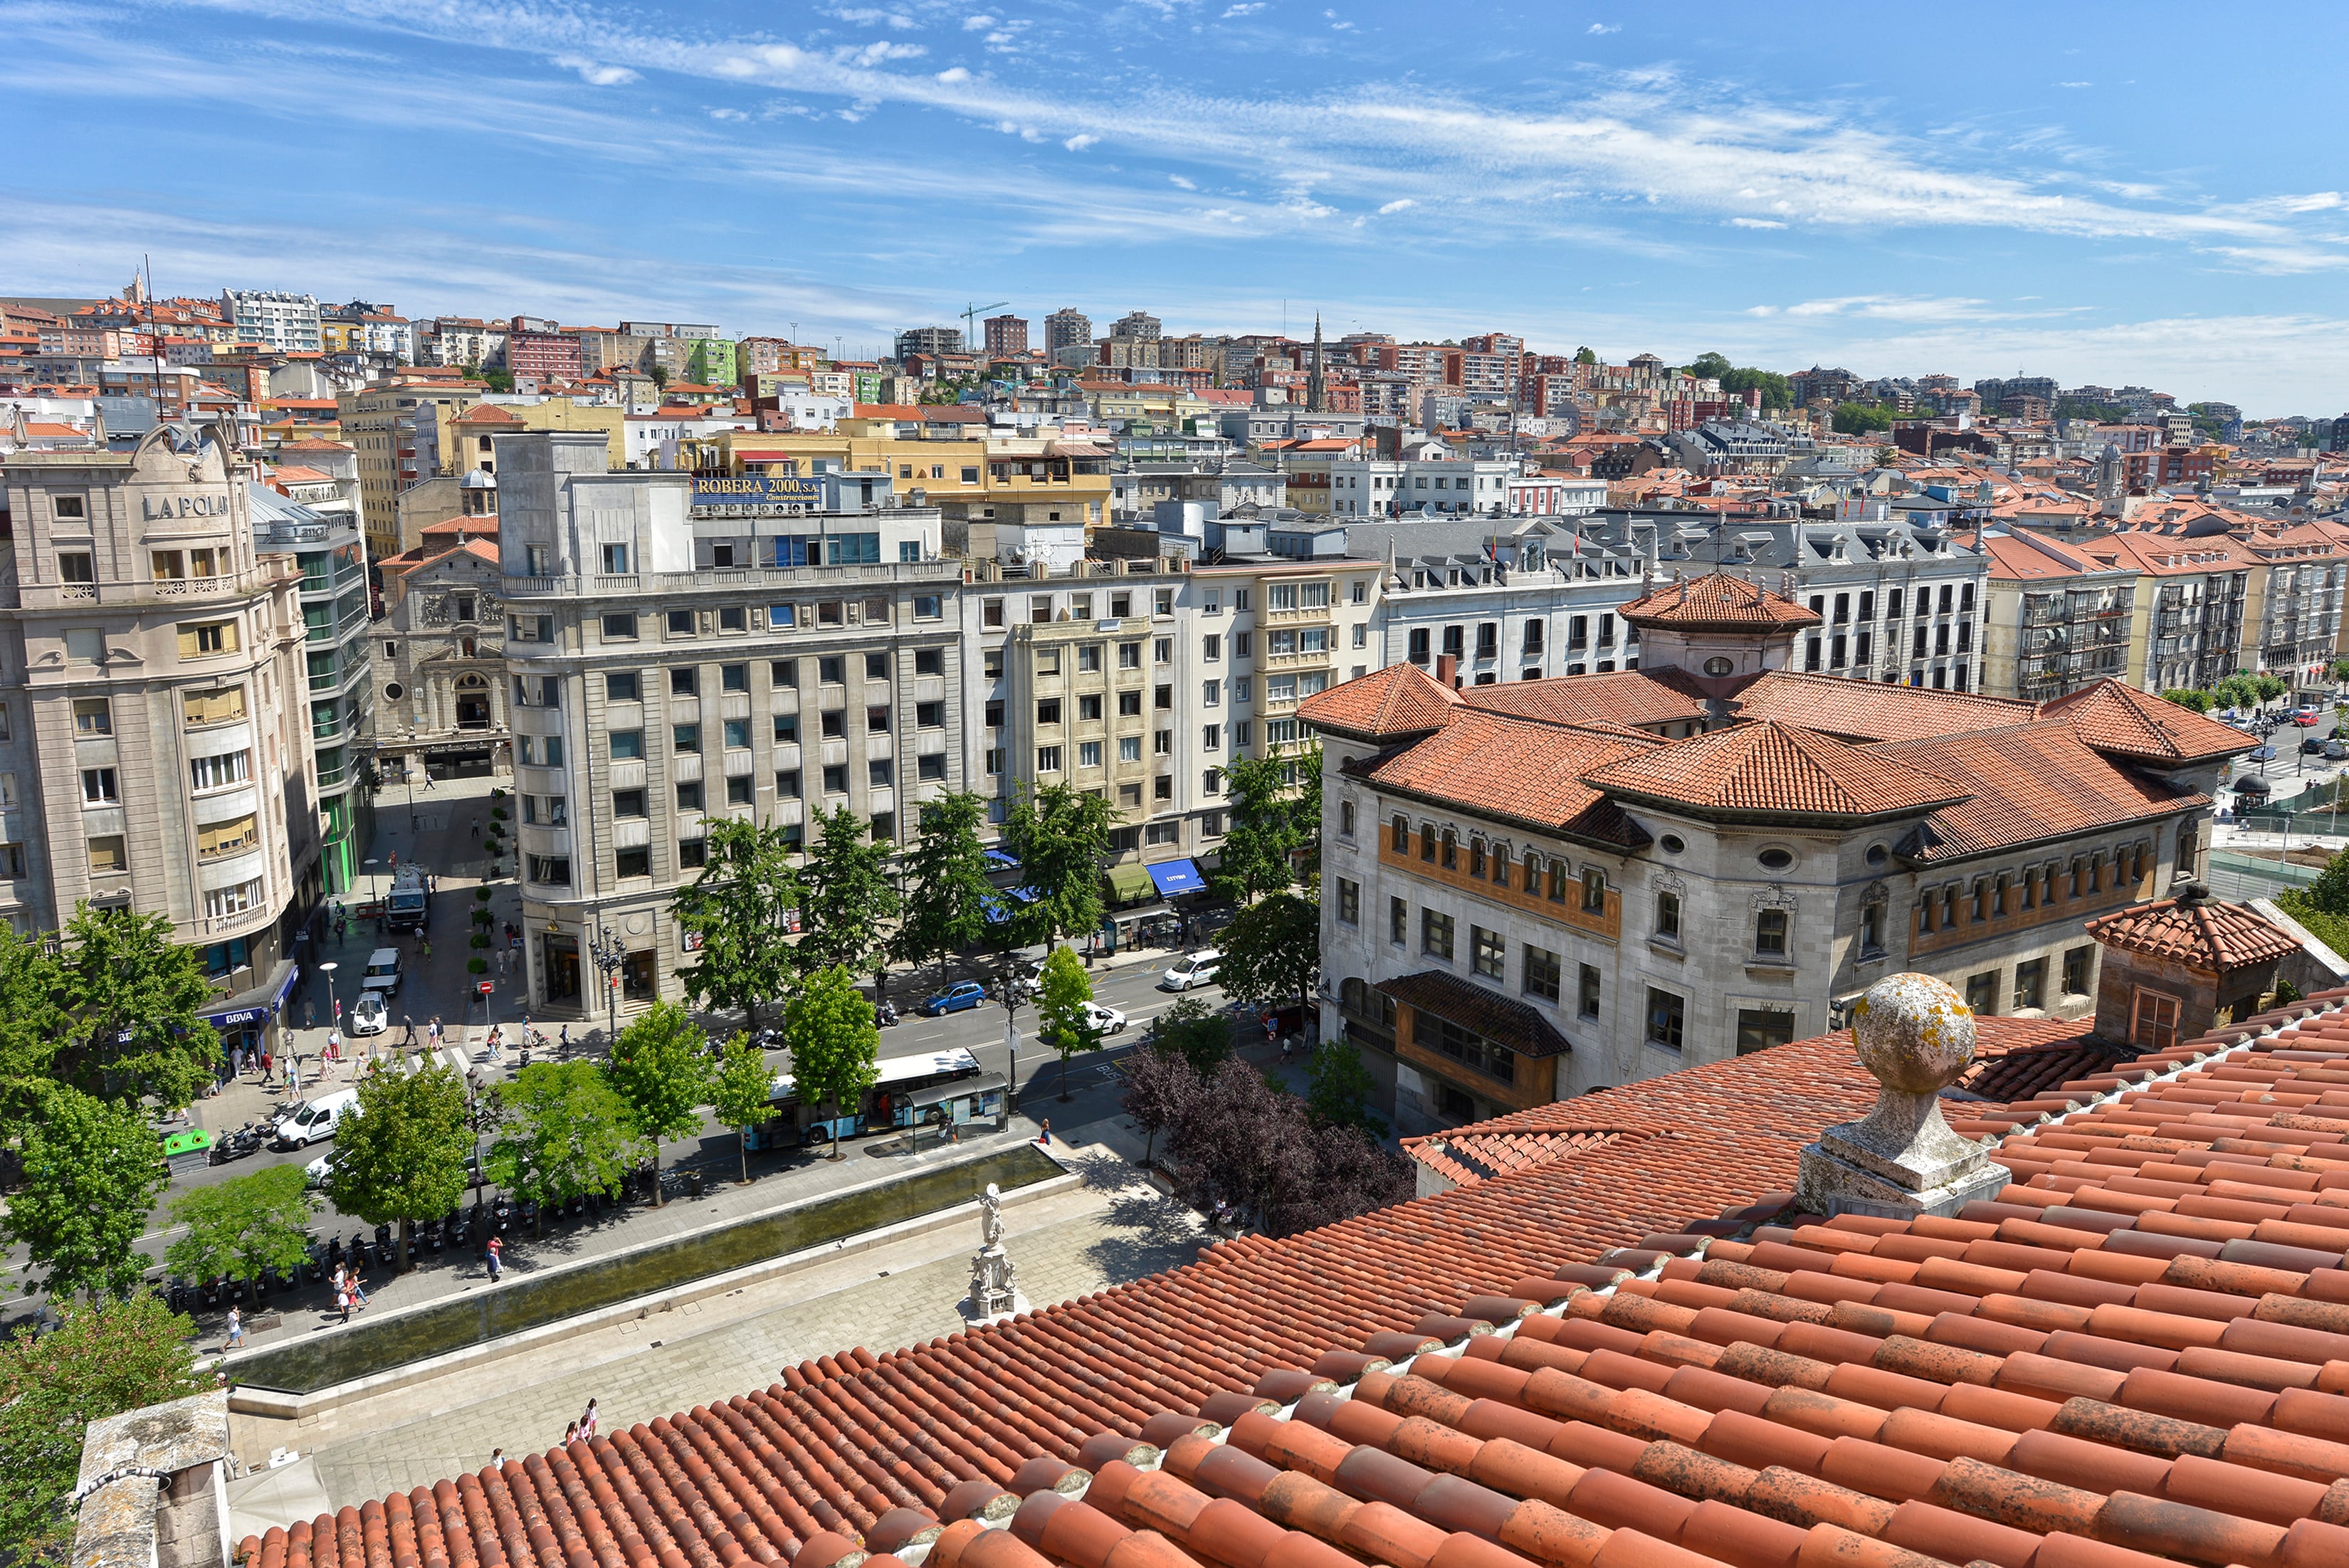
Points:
x=485 y=987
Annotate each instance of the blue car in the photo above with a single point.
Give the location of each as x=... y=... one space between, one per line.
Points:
x=955 y=998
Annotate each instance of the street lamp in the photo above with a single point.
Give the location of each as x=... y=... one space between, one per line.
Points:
x=609 y=954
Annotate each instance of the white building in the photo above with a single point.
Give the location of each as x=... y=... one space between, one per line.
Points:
x=286 y=321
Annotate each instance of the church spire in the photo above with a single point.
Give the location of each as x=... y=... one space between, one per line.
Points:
x=1316 y=389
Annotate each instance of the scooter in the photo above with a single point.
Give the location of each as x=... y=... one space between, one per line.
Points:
x=887 y=1015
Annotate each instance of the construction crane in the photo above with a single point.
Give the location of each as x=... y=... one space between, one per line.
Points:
x=970 y=338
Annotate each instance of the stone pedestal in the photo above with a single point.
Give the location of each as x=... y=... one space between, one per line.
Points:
x=994 y=1288
x=1914 y=1036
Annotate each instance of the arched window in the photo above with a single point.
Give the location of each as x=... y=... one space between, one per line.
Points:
x=1476 y=859
x=1593 y=890
x=1558 y=877
x=1401 y=835
x=1450 y=851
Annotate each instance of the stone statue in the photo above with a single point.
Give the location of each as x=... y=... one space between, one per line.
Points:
x=1915 y=1036
x=994 y=1280
x=991 y=1218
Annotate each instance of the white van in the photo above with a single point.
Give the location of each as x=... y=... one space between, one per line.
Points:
x=382 y=972
x=1191 y=970
x=313 y=1120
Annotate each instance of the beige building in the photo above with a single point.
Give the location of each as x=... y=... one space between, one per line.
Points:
x=154 y=743
x=371 y=421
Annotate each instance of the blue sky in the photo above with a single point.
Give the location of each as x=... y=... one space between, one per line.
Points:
x=2127 y=194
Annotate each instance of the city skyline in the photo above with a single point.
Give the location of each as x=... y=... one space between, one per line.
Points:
x=1778 y=188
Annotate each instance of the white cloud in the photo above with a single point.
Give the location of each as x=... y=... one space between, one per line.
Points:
x=733 y=115
x=593 y=74
x=881 y=53
x=868 y=17
x=1079 y=143
x=1756 y=224
x=979 y=22
x=1178 y=179
x=1397 y=205
x=953 y=76
x=2073 y=84
x=1247 y=8
x=1599 y=29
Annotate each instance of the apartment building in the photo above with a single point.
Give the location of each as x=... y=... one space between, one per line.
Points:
x=1372 y=487
x=1529 y=892
x=152 y=750
x=668 y=663
x=2188 y=613
x=2058 y=619
x=379 y=422
x=2295 y=605
x=443 y=643
x=286 y=322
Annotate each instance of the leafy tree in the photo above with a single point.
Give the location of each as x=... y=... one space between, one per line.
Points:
x=135 y=996
x=32 y=1021
x=1057 y=834
x=1062 y=999
x=1305 y=812
x=846 y=899
x=401 y=1154
x=1709 y=367
x=1242 y=1143
x=2193 y=701
x=1261 y=834
x=659 y=1068
x=835 y=1043
x=91 y=1174
x=101 y=1360
x=2330 y=891
x=1272 y=951
x=1338 y=1086
x=243 y=1228
x=660 y=376
x=561 y=1130
x=2271 y=688
x=1190 y=1029
x=1585 y=356
x=1160 y=1086
x=1778 y=391
x=1859 y=418
x=741 y=1092
x=738 y=908
x=2238 y=690
x=946 y=890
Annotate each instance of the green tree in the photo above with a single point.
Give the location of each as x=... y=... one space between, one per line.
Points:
x=1195 y=1032
x=1305 y=812
x=738 y=909
x=135 y=999
x=2270 y=687
x=1860 y=419
x=1272 y=951
x=1261 y=834
x=846 y=898
x=1585 y=356
x=1059 y=834
x=32 y=1021
x=1710 y=367
x=1063 y=1015
x=2339 y=671
x=659 y=1068
x=835 y=1043
x=243 y=1228
x=2329 y=894
x=1338 y=1086
x=401 y=1155
x=659 y=377
x=561 y=1130
x=1778 y=391
x=2193 y=701
x=91 y=1172
x=741 y=1092
x=2238 y=690
x=946 y=890
x=102 y=1359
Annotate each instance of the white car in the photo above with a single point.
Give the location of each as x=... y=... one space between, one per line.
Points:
x=317 y=1170
x=1105 y=1020
x=1192 y=969
x=369 y=1016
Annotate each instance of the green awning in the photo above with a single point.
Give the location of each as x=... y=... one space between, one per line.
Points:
x=1129 y=882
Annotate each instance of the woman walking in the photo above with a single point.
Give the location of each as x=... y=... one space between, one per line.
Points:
x=235 y=1330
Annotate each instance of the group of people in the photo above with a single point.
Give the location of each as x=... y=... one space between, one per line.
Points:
x=582 y=1429
x=349 y=1290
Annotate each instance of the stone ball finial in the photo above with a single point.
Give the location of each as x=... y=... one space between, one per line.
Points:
x=1914 y=1033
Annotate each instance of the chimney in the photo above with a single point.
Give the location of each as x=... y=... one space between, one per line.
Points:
x=1447 y=670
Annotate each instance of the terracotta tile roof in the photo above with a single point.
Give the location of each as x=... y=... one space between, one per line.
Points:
x=2028 y=783
x=1717 y=602
x=1400 y=699
x=1864 y=710
x=1517 y=770
x=2197 y=930
x=1632 y=698
x=1464 y=1157
x=1775 y=769
x=1515 y=1024
x=2014 y=1078
x=2112 y=715
x=487 y=414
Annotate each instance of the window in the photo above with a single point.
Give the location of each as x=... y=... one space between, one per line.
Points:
x=685 y=737
x=734 y=678
x=990 y=664
x=1593 y=890
x=689 y=798
x=97 y=788
x=1211 y=693
x=220 y=772
x=1468 y=1047
x=637 y=862
x=832 y=670
x=877 y=773
x=1163 y=698
x=1871 y=927
x=238 y=899
x=1667 y=1018
x=682 y=681
x=1399 y=835
x=932 y=715
x=1346 y=819
x=1450 y=851
x=692 y=853
x=787 y=728
x=836 y=778
x=106 y=855
x=680 y=623
x=1129 y=748
x=737 y=733
x=1542 y=974
x=1487 y=953
x=991 y=613
x=784 y=673
x=876 y=721
x=2153 y=1019
x=93 y=716
x=1211 y=783
x=204 y=638
x=1770 y=934
x=1162 y=651
x=1436 y=935
x=1981 y=990
x=1476 y=858
x=550 y=869
x=1048 y=711
x=1162 y=833
x=619 y=628
x=928 y=607
x=1048 y=759
x=787 y=783
x=2076 y=964
x=1398 y=922
x=2030 y=983
x=1211 y=649
x=1161 y=743
x=621 y=686
x=78 y=566
x=931 y=768
x=232 y=837
x=1089 y=658
x=1586 y=991
x=1129 y=655
x=1089 y=753
x=1211 y=738
x=1349 y=903
x=833 y=722
x=1419 y=646
x=628 y=802
x=68 y=506
x=615 y=560
x=625 y=744
x=1759 y=1028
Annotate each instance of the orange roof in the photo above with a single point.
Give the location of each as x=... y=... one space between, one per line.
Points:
x=2029 y=783
x=2196 y=930
x=1518 y=769
x=1400 y=699
x=294 y=474
x=487 y=414
x=1717 y=602
x=1774 y=768
x=2112 y=715
x=1864 y=710
x=1622 y=697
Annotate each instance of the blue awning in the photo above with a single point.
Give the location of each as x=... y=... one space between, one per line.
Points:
x=994 y=906
x=255 y=1006
x=1001 y=861
x=1178 y=876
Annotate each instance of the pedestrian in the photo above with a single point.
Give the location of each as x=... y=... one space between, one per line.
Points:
x=566 y=1039
x=497 y=1260
x=409 y=1021
x=495 y=1045
x=435 y=1027
x=428 y=784
x=424 y=944
x=358 y=1287
x=267 y=1059
x=342 y=1303
x=235 y=1330
x=477 y=827
x=1045 y=1138
x=587 y=1420
x=570 y=1434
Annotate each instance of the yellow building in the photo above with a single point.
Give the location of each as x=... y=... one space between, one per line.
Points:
x=1023 y=480
x=461 y=438
x=380 y=422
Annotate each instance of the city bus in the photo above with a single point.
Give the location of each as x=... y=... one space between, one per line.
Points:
x=930 y=1089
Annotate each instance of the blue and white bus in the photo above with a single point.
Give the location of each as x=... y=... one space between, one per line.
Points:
x=928 y=1090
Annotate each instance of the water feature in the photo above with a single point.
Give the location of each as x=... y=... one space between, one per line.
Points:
x=529 y=1300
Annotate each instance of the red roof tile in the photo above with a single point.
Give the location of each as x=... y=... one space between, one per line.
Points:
x=2112 y=715
x=1632 y=698
x=2031 y=782
x=1400 y=699
x=1864 y=710
x=2197 y=930
x=1774 y=768
x=1717 y=602
x=1515 y=769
